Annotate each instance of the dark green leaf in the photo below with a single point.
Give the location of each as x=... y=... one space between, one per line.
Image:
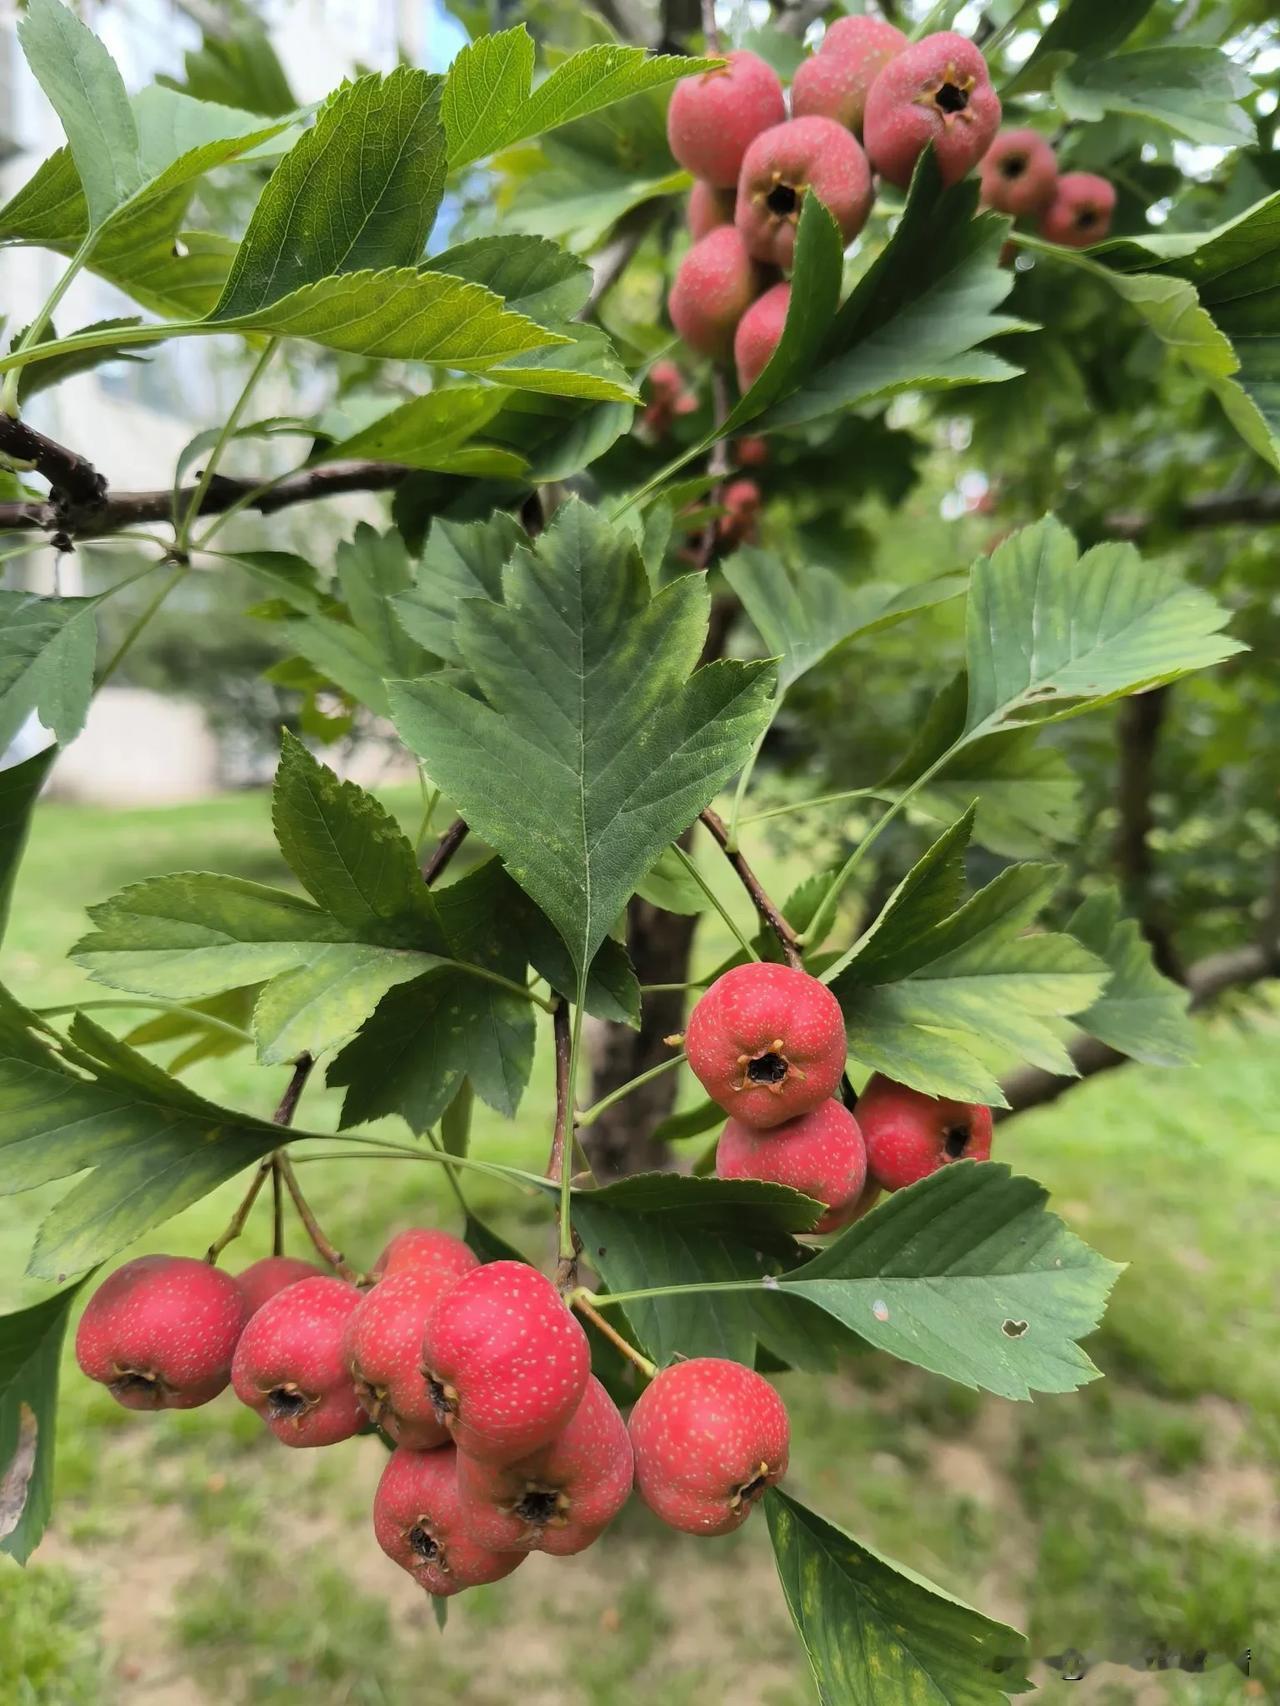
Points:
x=534 y=277
x=459 y=560
x=969 y=1275
x=600 y=740
x=30 y=1351
x=47 y=650
x=20 y=787
x=876 y=1632
x=1191 y=90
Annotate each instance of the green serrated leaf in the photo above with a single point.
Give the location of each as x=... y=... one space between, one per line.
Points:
x=459 y=560
x=969 y=1275
x=30 y=1353
x=598 y=740
x=47 y=650
x=489 y=100
x=356 y=193
x=1140 y=1012
x=534 y=277
x=1051 y=633
x=1189 y=89
x=20 y=787
x=425 y=432
x=875 y=1632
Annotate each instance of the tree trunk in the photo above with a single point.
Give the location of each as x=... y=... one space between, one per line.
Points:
x=621 y=1140
x=1139 y=722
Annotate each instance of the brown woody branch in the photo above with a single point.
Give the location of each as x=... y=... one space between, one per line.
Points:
x=759 y=899
x=445 y=849
x=1212 y=509
x=109 y=513
x=1206 y=979
x=1139 y=723
x=561 y=1134
x=76 y=489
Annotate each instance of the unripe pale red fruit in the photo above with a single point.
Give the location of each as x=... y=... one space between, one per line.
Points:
x=758 y=333
x=834 y=83
x=382 y=1346
x=715 y=284
x=821 y=1154
x=752 y=451
x=289 y=1365
x=560 y=1499
x=709 y=1437
x=1019 y=173
x=741 y=500
x=262 y=1280
x=712 y=118
x=910 y=1135
x=426 y=1248
x=709 y=207
x=416 y=1521
x=767 y=1042
x=160 y=1332
x=505 y=1361
x=1080 y=212
x=781 y=166
x=935 y=91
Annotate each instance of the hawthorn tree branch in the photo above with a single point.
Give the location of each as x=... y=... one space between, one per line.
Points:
x=77 y=489
x=561 y=1135
x=111 y=512
x=1208 y=978
x=1139 y=723
x=1211 y=509
x=769 y=913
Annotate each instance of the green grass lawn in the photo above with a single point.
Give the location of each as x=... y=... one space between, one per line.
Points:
x=191 y=1560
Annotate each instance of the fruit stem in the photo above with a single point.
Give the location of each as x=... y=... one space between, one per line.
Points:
x=755 y=888
x=605 y=1300
x=691 y=866
x=445 y=849
x=560 y=1163
x=277 y=1207
x=235 y=1226
x=327 y=1251
x=578 y=1300
x=710 y=30
x=593 y=1113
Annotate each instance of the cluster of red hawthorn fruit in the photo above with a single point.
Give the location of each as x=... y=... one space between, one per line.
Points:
x=867 y=102
x=479 y=1375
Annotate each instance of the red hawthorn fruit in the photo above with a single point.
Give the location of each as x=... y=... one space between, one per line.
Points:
x=821 y=1154
x=935 y=91
x=781 y=166
x=752 y=451
x=669 y=396
x=289 y=1365
x=262 y=1280
x=862 y=1204
x=160 y=1332
x=712 y=118
x=416 y=1520
x=505 y=1361
x=767 y=1042
x=1080 y=213
x=1019 y=173
x=910 y=1135
x=709 y=207
x=758 y=333
x=562 y=1498
x=382 y=1347
x=426 y=1248
x=715 y=284
x=738 y=524
x=709 y=1437
x=835 y=81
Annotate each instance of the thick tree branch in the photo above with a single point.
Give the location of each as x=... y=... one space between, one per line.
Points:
x=445 y=849
x=1206 y=979
x=1139 y=722
x=77 y=490
x=111 y=512
x=1212 y=509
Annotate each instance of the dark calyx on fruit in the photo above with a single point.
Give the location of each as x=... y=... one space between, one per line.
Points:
x=769 y=1068
x=782 y=199
x=1013 y=165
x=957 y=1141
x=286 y=1402
x=540 y=1505
x=753 y=1488
x=444 y=1400
x=951 y=98
x=134 y=1383
x=425 y=1546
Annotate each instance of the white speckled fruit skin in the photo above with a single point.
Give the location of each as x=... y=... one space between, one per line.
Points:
x=758 y=333
x=715 y=284
x=835 y=81
x=1033 y=189
x=296 y=1340
x=590 y=1462
x=382 y=1347
x=709 y=207
x=906 y=1131
x=808 y=154
x=713 y=118
x=700 y=1431
x=426 y=1247
x=419 y=1489
x=745 y=1012
x=897 y=128
x=821 y=1154
x=1079 y=193
x=172 y=1317
x=503 y=1339
x=262 y=1280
